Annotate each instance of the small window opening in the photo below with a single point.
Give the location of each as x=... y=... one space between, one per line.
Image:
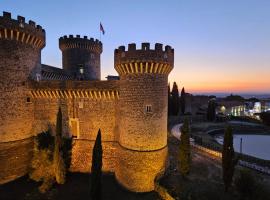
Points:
x=38 y=77
x=148 y=108
x=81 y=70
x=28 y=100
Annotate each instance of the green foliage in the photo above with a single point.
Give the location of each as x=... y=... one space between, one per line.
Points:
x=234 y=98
x=228 y=159
x=245 y=185
x=253 y=99
x=67 y=150
x=211 y=110
x=42 y=167
x=48 y=164
x=96 y=169
x=59 y=164
x=265 y=117
x=175 y=99
x=45 y=140
x=183 y=101
x=184 y=163
x=169 y=101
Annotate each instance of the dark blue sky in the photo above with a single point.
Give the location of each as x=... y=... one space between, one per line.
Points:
x=220 y=45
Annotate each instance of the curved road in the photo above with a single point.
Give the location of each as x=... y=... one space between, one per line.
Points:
x=177 y=133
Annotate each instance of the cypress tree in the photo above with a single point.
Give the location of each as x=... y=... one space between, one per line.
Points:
x=228 y=159
x=59 y=164
x=184 y=150
x=211 y=110
x=169 y=101
x=183 y=101
x=175 y=99
x=96 y=169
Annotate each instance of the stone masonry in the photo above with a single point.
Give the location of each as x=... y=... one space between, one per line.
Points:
x=131 y=112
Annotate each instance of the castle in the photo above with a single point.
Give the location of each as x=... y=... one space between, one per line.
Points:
x=131 y=110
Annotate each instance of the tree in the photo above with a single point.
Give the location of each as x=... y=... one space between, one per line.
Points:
x=42 y=162
x=245 y=184
x=58 y=161
x=48 y=164
x=183 y=101
x=228 y=159
x=175 y=99
x=234 y=98
x=169 y=101
x=265 y=117
x=211 y=110
x=96 y=169
x=184 y=150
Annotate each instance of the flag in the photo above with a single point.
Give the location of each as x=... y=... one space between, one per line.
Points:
x=101 y=28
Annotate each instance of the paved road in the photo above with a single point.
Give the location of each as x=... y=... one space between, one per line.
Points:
x=176 y=131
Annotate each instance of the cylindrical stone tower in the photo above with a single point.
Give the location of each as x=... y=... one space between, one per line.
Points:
x=142 y=119
x=20 y=54
x=81 y=57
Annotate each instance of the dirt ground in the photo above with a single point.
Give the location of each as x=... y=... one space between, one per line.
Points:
x=76 y=187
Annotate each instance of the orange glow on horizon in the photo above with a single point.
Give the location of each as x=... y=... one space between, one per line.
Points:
x=208 y=77
x=223 y=86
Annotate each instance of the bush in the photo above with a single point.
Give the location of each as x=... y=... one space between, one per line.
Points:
x=265 y=116
x=45 y=140
x=67 y=151
x=42 y=163
x=52 y=156
x=245 y=185
x=184 y=160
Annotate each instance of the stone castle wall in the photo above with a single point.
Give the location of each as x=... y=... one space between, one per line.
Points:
x=139 y=129
x=15 y=157
x=136 y=170
x=81 y=52
x=20 y=51
x=21 y=45
x=93 y=104
x=131 y=112
x=142 y=114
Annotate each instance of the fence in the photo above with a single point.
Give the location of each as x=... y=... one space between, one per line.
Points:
x=244 y=160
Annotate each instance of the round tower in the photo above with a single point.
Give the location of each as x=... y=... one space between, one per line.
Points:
x=142 y=120
x=81 y=57
x=20 y=55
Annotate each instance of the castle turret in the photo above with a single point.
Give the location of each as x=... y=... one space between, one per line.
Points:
x=142 y=120
x=20 y=55
x=81 y=57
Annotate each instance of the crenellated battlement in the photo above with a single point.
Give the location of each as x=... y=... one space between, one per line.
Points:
x=144 y=60
x=72 y=41
x=18 y=30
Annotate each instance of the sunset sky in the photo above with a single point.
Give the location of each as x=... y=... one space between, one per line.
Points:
x=220 y=45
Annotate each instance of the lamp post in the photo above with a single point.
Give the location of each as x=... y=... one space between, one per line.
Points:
x=241 y=141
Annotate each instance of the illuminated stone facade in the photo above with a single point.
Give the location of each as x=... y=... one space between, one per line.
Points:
x=131 y=112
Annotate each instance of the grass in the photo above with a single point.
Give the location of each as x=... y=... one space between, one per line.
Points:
x=76 y=187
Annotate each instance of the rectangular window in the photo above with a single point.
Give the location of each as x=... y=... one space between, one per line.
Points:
x=74 y=127
x=148 y=108
x=28 y=100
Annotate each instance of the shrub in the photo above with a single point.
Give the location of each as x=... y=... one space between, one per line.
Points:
x=245 y=184
x=184 y=150
x=42 y=166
